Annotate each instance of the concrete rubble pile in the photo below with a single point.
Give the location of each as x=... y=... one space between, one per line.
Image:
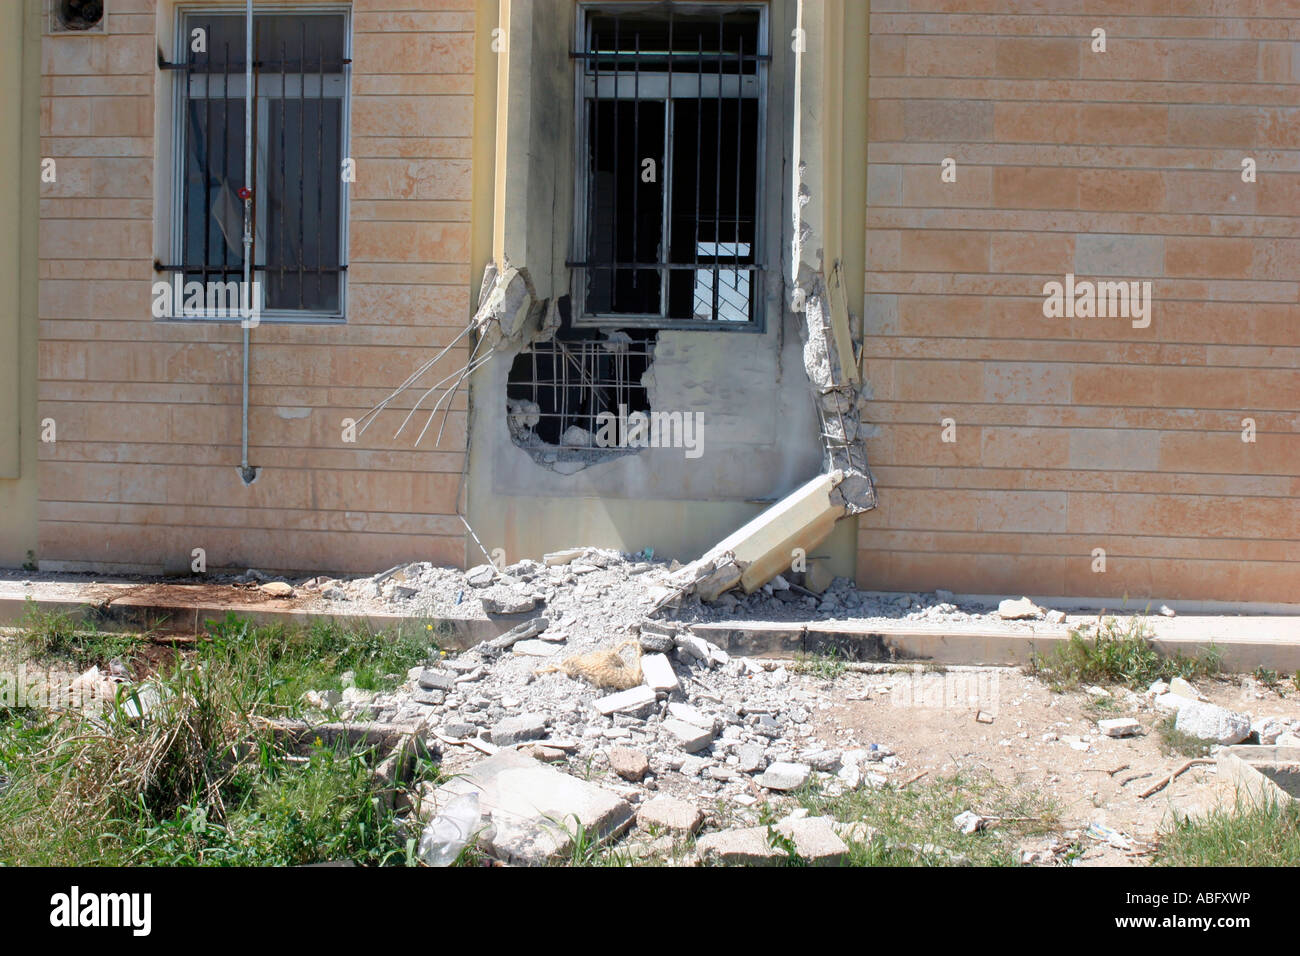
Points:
x=700 y=729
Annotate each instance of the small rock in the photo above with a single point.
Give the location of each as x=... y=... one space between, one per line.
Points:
x=480 y=576
x=628 y=763
x=514 y=730
x=1267 y=729
x=277 y=589
x=1183 y=689
x=1023 y=609
x=459 y=729
x=689 y=737
x=669 y=813
x=969 y=822
x=635 y=700
x=1119 y=727
x=825 y=761
x=535 y=647
x=784 y=776
x=436 y=680
x=658 y=674
x=1211 y=722
x=1167 y=611
x=1055 y=617
x=751 y=759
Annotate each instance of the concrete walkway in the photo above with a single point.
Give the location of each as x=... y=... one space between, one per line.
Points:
x=1246 y=641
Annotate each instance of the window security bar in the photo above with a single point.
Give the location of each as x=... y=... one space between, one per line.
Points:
x=670 y=129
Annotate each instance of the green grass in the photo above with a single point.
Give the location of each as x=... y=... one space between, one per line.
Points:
x=202 y=780
x=824 y=666
x=1241 y=836
x=913 y=825
x=1174 y=741
x=1120 y=653
x=56 y=636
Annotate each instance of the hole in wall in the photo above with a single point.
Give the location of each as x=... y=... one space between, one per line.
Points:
x=561 y=392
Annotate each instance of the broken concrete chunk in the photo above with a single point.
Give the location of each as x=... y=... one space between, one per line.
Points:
x=691 y=715
x=536 y=648
x=1211 y=722
x=1183 y=689
x=519 y=632
x=689 y=737
x=628 y=763
x=436 y=680
x=1119 y=727
x=277 y=589
x=508 y=603
x=514 y=730
x=658 y=674
x=558 y=558
x=480 y=576
x=534 y=810
x=751 y=759
x=814 y=838
x=633 y=700
x=671 y=814
x=1021 y=610
x=784 y=776
x=723 y=578
x=749 y=847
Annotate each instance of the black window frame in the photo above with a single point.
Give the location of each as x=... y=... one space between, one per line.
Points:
x=759 y=266
x=336 y=77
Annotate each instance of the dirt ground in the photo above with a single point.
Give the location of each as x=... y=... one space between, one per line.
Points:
x=929 y=719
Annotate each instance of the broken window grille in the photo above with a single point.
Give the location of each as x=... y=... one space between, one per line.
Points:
x=299 y=100
x=561 y=393
x=671 y=141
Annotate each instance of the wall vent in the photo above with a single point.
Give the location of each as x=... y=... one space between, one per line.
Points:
x=78 y=16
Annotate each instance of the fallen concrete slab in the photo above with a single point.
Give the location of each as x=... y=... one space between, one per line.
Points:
x=534 y=811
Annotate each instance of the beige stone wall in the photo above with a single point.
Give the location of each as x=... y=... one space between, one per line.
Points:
x=148 y=411
x=1076 y=434
x=20 y=51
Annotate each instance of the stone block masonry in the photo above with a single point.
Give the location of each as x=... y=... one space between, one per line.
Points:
x=148 y=412
x=1070 y=435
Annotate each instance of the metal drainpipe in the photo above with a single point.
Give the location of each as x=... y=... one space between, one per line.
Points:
x=247 y=473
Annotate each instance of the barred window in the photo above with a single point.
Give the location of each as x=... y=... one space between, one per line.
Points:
x=299 y=100
x=671 y=139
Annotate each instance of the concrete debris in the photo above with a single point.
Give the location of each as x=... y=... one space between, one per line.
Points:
x=784 y=776
x=1211 y=722
x=1119 y=727
x=969 y=822
x=629 y=764
x=658 y=674
x=1021 y=610
x=277 y=589
x=515 y=730
x=534 y=811
x=1183 y=689
x=668 y=813
x=634 y=700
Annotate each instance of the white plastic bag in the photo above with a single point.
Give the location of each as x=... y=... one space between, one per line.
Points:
x=449 y=832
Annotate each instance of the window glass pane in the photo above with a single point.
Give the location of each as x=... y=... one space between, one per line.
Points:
x=714 y=191
x=302 y=205
x=300 y=85
x=625 y=211
x=213 y=227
